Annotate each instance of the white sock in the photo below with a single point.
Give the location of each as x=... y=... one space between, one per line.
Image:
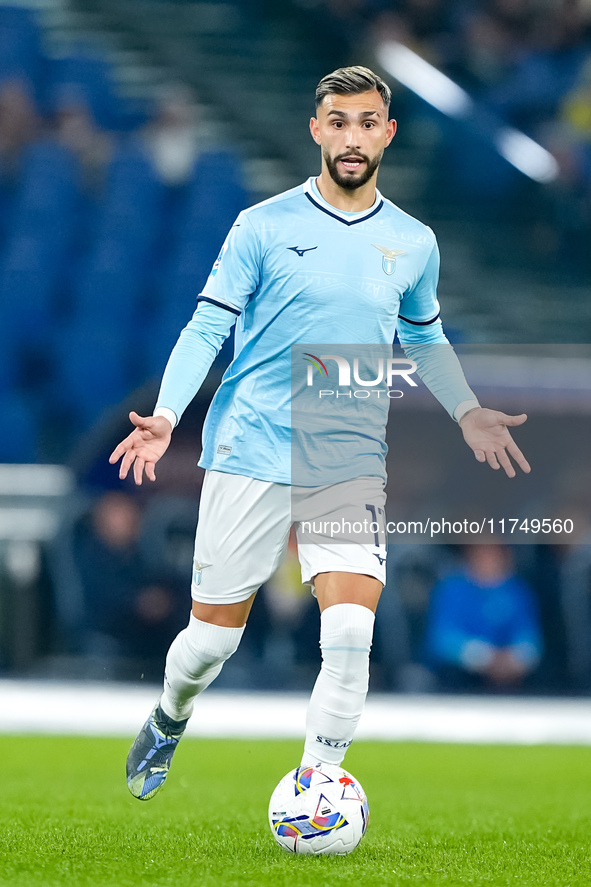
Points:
x=339 y=694
x=194 y=660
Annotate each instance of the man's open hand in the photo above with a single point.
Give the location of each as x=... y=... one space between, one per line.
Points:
x=486 y=432
x=143 y=447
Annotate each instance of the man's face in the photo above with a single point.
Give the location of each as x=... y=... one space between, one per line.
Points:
x=352 y=131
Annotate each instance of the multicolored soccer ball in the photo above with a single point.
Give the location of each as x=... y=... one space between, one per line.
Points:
x=318 y=810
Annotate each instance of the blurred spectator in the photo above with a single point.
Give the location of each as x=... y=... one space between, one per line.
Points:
x=516 y=17
x=576 y=108
x=18 y=126
x=563 y=230
x=75 y=129
x=129 y=611
x=575 y=591
x=483 y=629
x=85 y=109
x=487 y=53
x=172 y=138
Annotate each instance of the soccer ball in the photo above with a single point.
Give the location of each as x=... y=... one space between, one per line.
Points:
x=318 y=810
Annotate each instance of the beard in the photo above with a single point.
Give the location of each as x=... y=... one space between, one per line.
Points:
x=351 y=181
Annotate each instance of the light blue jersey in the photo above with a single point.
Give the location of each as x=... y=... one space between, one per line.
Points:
x=295 y=270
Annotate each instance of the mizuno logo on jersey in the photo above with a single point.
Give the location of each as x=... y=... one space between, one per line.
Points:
x=389 y=257
x=299 y=251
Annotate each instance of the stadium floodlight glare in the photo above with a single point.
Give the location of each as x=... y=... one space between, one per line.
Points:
x=426 y=81
x=526 y=155
x=442 y=93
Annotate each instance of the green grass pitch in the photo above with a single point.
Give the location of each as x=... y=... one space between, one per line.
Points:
x=440 y=814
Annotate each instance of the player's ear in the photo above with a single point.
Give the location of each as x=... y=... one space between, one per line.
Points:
x=392 y=127
x=315 y=130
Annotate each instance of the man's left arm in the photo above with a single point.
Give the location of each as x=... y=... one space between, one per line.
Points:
x=421 y=335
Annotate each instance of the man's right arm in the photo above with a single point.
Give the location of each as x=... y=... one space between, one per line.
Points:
x=233 y=279
x=191 y=358
x=185 y=371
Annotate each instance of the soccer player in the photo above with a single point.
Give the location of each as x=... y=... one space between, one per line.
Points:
x=331 y=261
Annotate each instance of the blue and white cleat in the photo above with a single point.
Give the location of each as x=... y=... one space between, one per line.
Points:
x=149 y=758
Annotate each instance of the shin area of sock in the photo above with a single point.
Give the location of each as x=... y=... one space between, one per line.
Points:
x=194 y=660
x=338 y=697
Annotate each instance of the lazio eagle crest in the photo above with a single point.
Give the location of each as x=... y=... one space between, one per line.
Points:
x=389 y=257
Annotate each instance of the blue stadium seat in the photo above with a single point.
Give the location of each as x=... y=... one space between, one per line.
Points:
x=114 y=273
x=20 y=41
x=20 y=18
x=133 y=198
x=217 y=194
x=19 y=442
x=97 y=369
x=35 y=256
x=50 y=181
x=84 y=77
x=93 y=371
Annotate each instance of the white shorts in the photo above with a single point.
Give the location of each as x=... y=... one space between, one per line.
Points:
x=244 y=526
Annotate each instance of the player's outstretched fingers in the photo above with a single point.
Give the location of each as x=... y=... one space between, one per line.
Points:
x=126 y=464
x=138 y=470
x=516 y=454
x=491 y=458
x=119 y=450
x=514 y=420
x=136 y=419
x=150 y=470
x=505 y=462
x=480 y=455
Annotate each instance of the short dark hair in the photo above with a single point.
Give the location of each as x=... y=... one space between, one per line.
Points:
x=352 y=81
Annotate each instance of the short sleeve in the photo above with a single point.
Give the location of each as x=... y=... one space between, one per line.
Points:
x=236 y=271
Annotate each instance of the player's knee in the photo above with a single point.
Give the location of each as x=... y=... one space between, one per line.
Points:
x=345 y=641
x=347 y=625
x=208 y=644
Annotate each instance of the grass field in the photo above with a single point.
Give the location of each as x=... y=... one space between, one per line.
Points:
x=439 y=815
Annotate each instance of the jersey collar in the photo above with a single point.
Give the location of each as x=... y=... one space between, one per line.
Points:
x=313 y=194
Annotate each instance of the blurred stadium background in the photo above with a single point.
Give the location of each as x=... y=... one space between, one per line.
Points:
x=131 y=134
